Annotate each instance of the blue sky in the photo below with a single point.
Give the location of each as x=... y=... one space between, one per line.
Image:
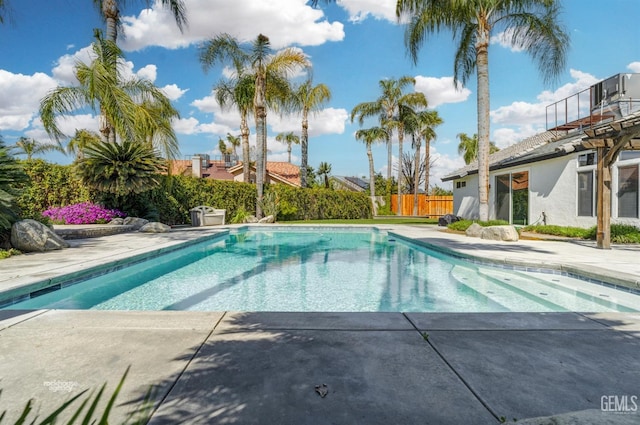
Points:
x=352 y=44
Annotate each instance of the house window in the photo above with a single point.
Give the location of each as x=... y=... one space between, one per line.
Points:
x=460 y=185
x=586 y=194
x=625 y=155
x=628 y=191
x=586 y=159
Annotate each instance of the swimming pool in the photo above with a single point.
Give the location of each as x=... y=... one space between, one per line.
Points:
x=333 y=269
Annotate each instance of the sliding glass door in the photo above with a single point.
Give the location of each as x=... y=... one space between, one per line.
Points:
x=512 y=197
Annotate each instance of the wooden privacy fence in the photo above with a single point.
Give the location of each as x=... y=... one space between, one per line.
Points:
x=430 y=206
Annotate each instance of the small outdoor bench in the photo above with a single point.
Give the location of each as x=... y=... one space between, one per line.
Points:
x=204 y=215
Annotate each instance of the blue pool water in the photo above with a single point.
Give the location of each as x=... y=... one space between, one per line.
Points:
x=328 y=270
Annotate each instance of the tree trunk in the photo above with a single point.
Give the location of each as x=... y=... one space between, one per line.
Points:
x=427 y=165
x=416 y=177
x=261 y=124
x=372 y=174
x=304 y=148
x=482 y=61
x=400 y=140
x=246 y=152
x=111 y=15
x=289 y=151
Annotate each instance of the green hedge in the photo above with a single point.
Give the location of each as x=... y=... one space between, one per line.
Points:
x=56 y=185
x=51 y=185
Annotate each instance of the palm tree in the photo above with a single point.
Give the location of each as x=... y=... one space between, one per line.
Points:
x=30 y=147
x=132 y=109
x=324 y=169
x=239 y=91
x=12 y=179
x=290 y=139
x=269 y=70
x=421 y=125
x=468 y=147
x=234 y=142
x=3 y=10
x=533 y=26
x=80 y=141
x=120 y=169
x=111 y=13
x=308 y=98
x=369 y=136
x=387 y=108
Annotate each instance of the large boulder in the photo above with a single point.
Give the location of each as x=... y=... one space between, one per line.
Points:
x=117 y=221
x=500 y=233
x=136 y=222
x=251 y=219
x=474 y=231
x=155 y=227
x=267 y=219
x=33 y=236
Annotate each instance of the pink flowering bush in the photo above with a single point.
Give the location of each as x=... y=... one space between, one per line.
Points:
x=83 y=213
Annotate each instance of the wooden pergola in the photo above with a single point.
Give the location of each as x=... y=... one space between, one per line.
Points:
x=609 y=140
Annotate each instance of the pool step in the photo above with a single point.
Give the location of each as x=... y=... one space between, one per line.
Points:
x=508 y=296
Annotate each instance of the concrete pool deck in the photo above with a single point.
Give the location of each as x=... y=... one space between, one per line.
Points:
x=379 y=368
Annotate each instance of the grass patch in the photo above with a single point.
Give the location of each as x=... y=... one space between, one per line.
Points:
x=566 y=231
x=6 y=253
x=463 y=225
x=372 y=221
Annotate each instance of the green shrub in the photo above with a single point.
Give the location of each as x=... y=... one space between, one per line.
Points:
x=50 y=185
x=320 y=203
x=6 y=253
x=566 y=231
x=463 y=225
x=620 y=233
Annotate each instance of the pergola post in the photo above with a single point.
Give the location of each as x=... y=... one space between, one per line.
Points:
x=603 y=200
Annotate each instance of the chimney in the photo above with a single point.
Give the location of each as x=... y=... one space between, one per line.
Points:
x=196 y=166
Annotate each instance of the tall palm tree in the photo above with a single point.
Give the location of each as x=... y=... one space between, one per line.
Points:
x=308 y=98
x=387 y=108
x=239 y=91
x=290 y=139
x=110 y=11
x=369 y=136
x=324 y=170
x=31 y=147
x=234 y=142
x=468 y=147
x=268 y=69
x=420 y=125
x=132 y=109
x=3 y=10
x=533 y=26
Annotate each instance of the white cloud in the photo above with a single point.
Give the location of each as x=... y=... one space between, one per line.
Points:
x=148 y=72
x=326 y=121
x=287 y=22
x=504 y=39
x=173 y=92
x=64 y=71
x=20 y=98
x=504 y=137
x=525 y=113
x=191 y=125
x=359 y=10
x=68 y=125
x=634 y=67
x=440 y=90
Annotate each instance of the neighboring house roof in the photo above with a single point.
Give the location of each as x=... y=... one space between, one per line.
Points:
x=283 y=172
x=535 y=148
x=355 y=184
x=215 y=169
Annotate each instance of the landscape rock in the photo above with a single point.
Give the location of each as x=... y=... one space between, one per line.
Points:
x=251 y=219
x=155 y=227
x=500 y=233
x=267 y=219
x=33 y=236
x=136 y=222
x=474 y=231
x=447 y=219
x=117 y=221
